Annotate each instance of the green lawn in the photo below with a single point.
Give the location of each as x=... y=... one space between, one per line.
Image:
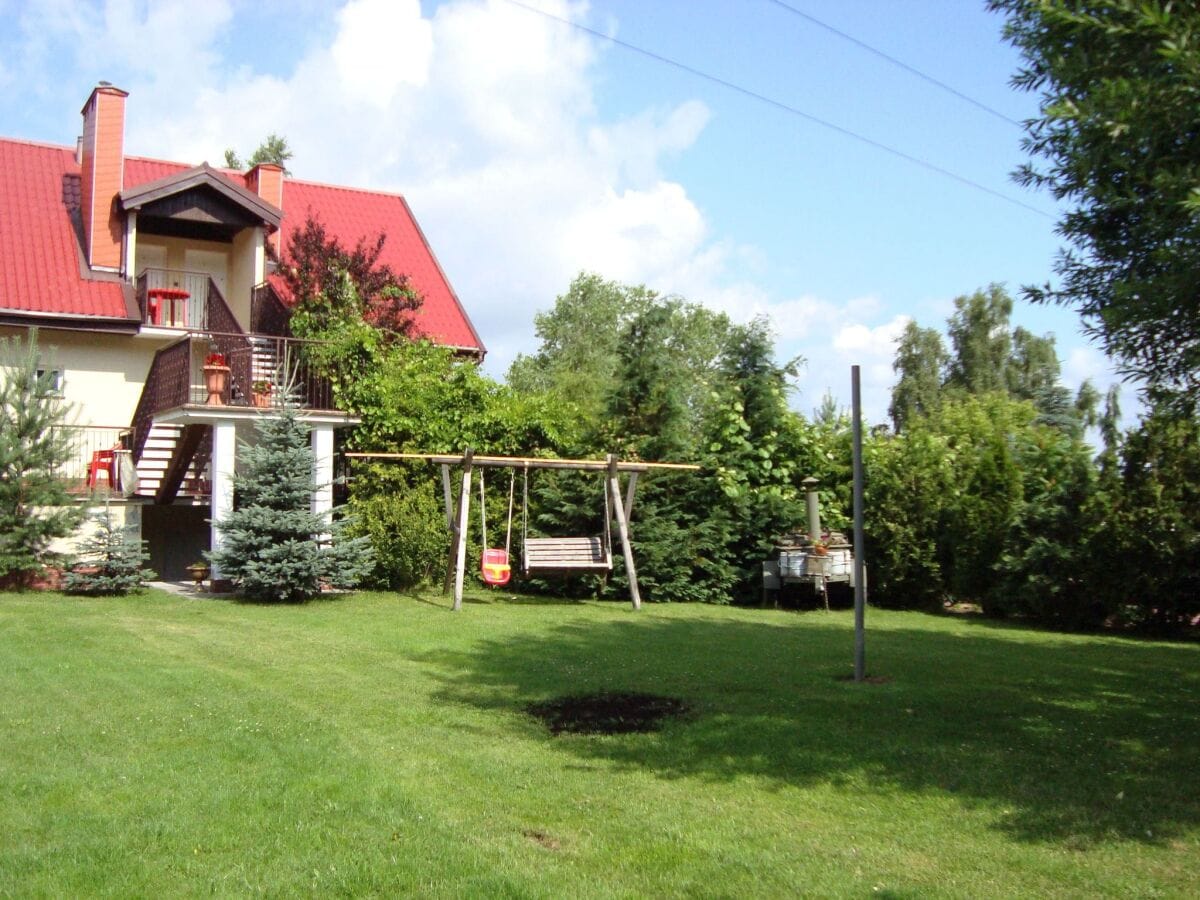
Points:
x=377 y=745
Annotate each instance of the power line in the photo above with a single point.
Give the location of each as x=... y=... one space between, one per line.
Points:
x=785 y=107
x=896 y=62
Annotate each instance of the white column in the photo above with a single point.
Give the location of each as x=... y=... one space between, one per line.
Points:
x=322 y=447
x=224 y=457
x=131 y=245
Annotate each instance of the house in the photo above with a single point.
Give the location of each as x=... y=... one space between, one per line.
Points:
x=137 y=272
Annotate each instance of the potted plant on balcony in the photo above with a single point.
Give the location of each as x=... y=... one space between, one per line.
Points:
x=216 y=377
x=260 y=393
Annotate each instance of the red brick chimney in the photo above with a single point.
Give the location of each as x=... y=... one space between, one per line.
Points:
x=266 y=180
x=103 y=171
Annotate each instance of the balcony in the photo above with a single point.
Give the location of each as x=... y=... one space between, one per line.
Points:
x=173 y=298
x=260 y=373
x=89 y=467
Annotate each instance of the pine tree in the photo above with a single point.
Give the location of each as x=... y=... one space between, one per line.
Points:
x=35 y=507
x=273 y=546
x=110 y=563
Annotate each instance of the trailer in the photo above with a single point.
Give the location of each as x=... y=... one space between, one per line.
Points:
x=814 y=557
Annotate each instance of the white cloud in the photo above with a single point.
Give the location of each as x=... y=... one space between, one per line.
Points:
x=635 y=235
x=483 y=115
x=488 y=125
x=380 y=45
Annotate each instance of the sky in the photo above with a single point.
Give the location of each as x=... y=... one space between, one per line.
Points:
x=531 y=149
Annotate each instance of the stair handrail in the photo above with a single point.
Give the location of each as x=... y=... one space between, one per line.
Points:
x=269 y=315
x=168 y=385
x=228 y=338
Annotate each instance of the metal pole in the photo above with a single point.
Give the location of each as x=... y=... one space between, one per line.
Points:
x=860 y=651
x=813 y=503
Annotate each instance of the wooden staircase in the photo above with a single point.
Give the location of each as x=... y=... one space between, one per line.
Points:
x=175 y=460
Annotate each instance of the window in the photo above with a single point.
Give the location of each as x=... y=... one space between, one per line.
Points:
x=55 y=379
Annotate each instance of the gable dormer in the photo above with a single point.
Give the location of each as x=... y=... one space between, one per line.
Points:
x=195 y=224
x=198 y=203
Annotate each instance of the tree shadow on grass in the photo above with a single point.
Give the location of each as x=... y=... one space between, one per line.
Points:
x=475 y=595
x=1076 y=741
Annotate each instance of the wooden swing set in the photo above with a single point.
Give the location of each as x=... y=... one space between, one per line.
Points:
x=541 y=555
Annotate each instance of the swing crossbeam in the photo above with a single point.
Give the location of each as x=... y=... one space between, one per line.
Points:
x=529 y=462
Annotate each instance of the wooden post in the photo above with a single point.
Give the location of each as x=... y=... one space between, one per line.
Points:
x=614 y=489
x=448 y=493
x=630 y=492
x=464 y=509
x=451 y=527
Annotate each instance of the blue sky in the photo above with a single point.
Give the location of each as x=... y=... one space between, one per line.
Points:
x=531 y=150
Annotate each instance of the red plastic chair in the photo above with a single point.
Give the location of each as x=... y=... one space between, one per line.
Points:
x=104 y=462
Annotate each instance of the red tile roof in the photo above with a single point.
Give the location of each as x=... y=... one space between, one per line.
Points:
x=39 y=249
x=40 y=272
x=349 y=215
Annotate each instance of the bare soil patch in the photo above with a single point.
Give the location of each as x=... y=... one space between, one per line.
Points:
x=607 y=713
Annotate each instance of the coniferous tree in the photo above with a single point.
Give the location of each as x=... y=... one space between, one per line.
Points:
x=112 y=565
x=35 y=507
x=274 y=547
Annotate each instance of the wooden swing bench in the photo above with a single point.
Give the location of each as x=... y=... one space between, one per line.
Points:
x=567 y=554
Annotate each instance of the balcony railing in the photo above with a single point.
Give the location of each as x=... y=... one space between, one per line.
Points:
x=173 y=298
x=90 y=445
x=279 y=366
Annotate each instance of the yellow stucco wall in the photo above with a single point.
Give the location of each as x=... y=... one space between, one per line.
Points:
x=103 y=373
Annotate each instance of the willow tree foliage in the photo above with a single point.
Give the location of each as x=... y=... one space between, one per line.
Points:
x=1117 y=142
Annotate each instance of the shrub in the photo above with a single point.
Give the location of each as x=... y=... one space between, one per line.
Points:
x=110 y=563
x=408 y=536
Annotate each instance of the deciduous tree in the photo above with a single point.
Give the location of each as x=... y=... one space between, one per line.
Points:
x=333 y=285
x=1117 y=141
x=274 y=149
x=920 y=363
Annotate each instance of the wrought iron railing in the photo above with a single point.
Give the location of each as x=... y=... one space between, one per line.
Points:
x=228 y=339
x=284 y=372
x=91 y=446
x=173 y=298
x=168 y=385
x=280 y=368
